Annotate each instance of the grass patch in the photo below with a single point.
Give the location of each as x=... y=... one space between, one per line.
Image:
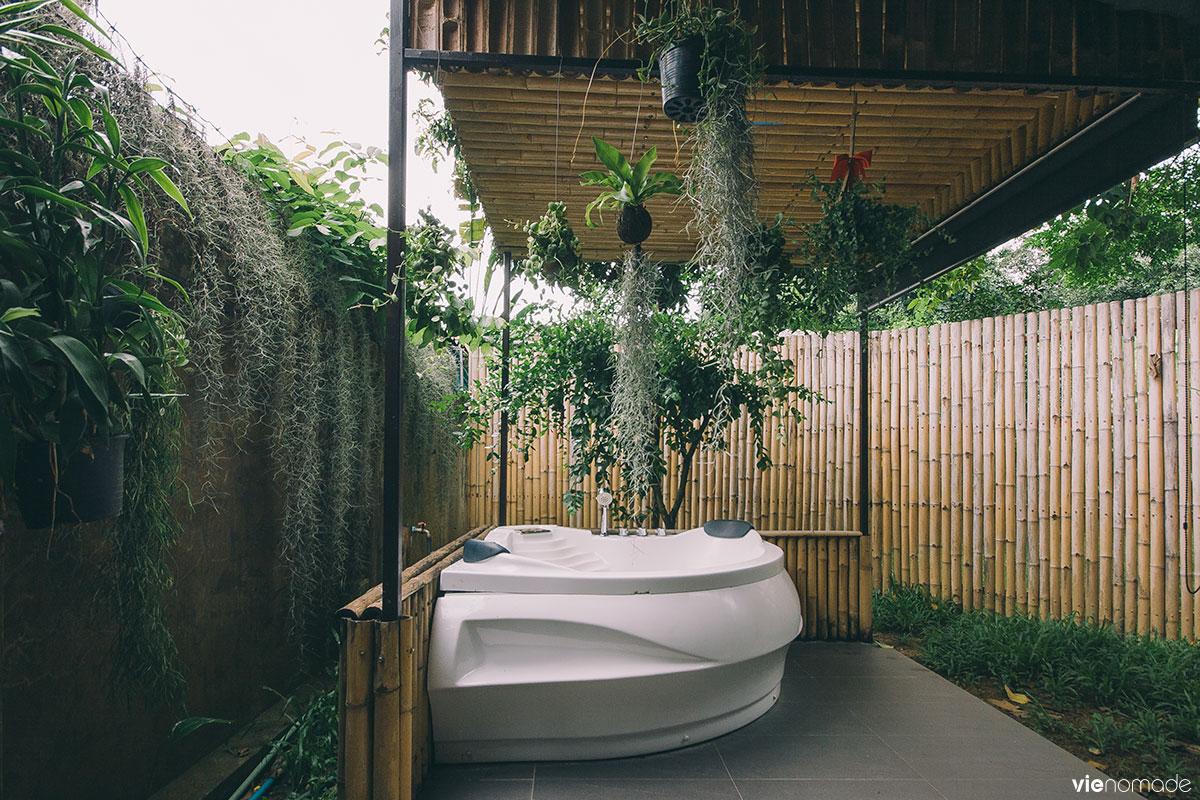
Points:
x=1131 y=704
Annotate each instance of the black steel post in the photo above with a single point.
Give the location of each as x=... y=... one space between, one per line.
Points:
x=393 y=348
x=864 y=418
x=502 y=516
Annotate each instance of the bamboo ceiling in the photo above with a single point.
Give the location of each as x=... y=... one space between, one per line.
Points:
x=525 y=140
x=952 y=95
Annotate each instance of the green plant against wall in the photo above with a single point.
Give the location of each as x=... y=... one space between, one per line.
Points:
x=82 y=328
x=317 y=197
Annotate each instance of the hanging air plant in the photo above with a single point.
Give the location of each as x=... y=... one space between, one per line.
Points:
x=638 y=380
x=721 y=182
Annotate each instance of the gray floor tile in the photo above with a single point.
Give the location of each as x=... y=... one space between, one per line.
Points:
x=475 y=790
x=672 y=789
x=701 y=762
x=837 y=790
x=832 y=757
x=964 y=754
x=503 y=771
x=850 y=658
x=1013 y=788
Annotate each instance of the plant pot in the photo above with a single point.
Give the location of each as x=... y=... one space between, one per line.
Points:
x=634 y=224
x=90 y=486
x=679 y=69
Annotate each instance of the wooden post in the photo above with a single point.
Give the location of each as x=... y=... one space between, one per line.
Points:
x=385 y=723
x=409 y=775
x=356 y=674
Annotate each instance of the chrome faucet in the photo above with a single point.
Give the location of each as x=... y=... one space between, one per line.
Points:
x=604 y=498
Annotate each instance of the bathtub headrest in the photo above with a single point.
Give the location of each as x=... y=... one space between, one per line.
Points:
x=475 y=550
x=727 y=528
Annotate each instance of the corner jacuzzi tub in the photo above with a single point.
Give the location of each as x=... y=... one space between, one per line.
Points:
x=555 y=643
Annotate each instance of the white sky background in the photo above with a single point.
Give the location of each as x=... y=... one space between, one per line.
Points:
x=289 y=69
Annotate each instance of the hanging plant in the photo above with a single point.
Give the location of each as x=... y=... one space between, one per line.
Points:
x=627 y=188
x=721 y=182
x=859 y=243
x=638 y=383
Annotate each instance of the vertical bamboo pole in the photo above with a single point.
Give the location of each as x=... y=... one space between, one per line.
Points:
x=356 y=652
x=385 y=743
x=1116 y=382
x=1142 y=390
x=1132 y=514
x=989 y=464
x=1104 y=452
x=1154 y=389
x=930 y=442
x=410 y=771
x=967 y=473
x=1171 y=468
x=1009 y=501
x=878 y=471
x=1191 y=561
x=1056 y=394
x=906 y=386
x=1024 y=592
x=1091 y=463
x=1042 y=350
x=1070 y=389
x=946 y=458
x=896 y=452
x=822 y=567
x=884 y=545
x=844 y=588
x=812 y=611
x=979 y=501
x=922 y=448
x=1079 y=522
x=958 y=469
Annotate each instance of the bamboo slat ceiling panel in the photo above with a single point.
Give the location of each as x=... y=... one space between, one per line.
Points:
x=1092 y=42
x=525 y=140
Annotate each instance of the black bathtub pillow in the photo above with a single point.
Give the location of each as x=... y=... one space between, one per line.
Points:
x=475 y=550
x=727 y=528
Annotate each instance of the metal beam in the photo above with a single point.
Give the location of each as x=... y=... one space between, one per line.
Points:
x=624 y=68
x=392 y=565
x=502 y=512
x=1133 y=136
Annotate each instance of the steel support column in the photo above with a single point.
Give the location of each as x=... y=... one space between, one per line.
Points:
x=393 y=348
x=502 y=512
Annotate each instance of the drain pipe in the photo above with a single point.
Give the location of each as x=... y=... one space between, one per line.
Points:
x=267 y=759
x=502 y=514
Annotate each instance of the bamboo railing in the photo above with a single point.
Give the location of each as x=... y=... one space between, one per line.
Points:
x=385 y=737
x=1034 y=463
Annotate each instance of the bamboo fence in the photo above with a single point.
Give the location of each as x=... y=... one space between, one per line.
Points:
x=1034 y=463
x=385 y=737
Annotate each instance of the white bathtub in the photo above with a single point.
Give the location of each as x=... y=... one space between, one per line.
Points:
x=575 y=646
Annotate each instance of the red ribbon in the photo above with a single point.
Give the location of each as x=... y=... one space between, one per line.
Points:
x=855 y=166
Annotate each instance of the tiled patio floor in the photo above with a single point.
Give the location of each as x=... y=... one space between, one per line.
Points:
x=853 y=721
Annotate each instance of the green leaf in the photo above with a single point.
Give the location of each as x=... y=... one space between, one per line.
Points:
x=190 y=725
x=133 y=208
x=130 y=362
x=89 y=369
x=642 y=169
x=79 y=39
x=610 y=157
x=168 y=186
x=14 y=314
x=145 y=165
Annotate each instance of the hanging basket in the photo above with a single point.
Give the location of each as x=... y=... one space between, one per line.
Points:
x=634 y=224
x=90 y=484
x=679 y=68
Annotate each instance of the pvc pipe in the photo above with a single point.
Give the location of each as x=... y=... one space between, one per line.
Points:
x=267 y=759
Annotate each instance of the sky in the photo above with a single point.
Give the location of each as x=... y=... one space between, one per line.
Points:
x=289 y=69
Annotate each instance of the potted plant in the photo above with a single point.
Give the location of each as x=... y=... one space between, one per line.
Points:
x=627 y=188
x=859 y=242
x=82 y=333
x=721 y=181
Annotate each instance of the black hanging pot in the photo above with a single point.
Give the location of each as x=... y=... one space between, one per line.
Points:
x=634 y=224
x=679 y=69
x=90 y=484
